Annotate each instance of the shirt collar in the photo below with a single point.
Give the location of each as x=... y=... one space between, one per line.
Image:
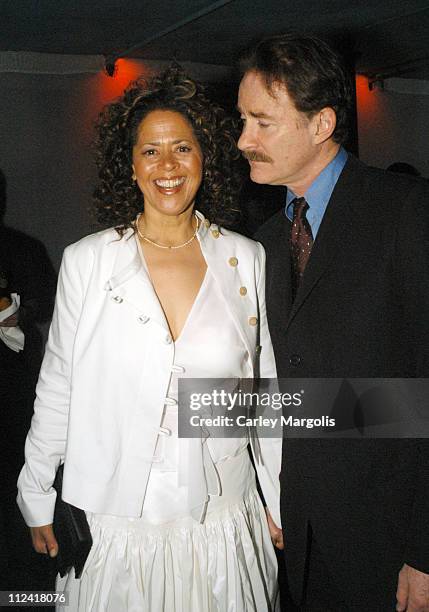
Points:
x=320 y=190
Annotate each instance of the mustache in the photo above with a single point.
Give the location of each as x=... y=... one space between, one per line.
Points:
x=255 y=156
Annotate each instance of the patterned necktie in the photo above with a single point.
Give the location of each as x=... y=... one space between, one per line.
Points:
x=301 y=241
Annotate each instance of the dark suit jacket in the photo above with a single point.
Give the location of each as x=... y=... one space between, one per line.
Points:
x=362 y=310
x=25 y=266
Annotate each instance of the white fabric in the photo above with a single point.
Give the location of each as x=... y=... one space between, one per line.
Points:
x=165 y=561
x=226 y=564
x=13 y=337
x=109 y=331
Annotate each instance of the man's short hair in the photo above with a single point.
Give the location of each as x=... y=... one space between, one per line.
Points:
x=314 y=74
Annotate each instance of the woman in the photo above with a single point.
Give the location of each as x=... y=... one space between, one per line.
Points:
x=163 y=295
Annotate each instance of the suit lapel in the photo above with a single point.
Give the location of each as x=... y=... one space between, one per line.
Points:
x=131 y=283
x=334 y=234
x=275 y=237
x=229 y=280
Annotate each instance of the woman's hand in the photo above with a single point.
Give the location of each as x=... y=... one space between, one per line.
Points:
x=275 y=532
x=44 y=540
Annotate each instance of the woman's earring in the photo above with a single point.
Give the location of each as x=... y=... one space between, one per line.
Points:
x=134 y=176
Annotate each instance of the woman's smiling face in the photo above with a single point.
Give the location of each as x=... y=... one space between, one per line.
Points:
x=167 y=162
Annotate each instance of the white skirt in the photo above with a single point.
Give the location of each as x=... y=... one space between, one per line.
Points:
x=226 y=564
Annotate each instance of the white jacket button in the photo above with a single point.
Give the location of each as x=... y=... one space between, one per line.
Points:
x=243 y=291
x=233 y=261
x=168 y=339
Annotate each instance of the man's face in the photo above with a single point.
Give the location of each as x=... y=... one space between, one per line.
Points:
x=277 y=139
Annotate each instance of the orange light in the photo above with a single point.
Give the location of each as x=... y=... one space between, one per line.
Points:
x=373 y=108
x=365 y=97
x=104 y=88
x=126 y=71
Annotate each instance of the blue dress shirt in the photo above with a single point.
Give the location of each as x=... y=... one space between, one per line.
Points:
x=319 y=192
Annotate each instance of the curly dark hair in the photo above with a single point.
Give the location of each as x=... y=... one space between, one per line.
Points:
x=117 y=197
x=314 y=74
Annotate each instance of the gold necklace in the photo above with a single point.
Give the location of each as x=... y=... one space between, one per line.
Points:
x=163 y=246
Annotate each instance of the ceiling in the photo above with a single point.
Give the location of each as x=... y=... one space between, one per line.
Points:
x=390 y=37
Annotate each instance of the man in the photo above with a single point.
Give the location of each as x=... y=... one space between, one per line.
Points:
x=347 y=296
x=25 y=269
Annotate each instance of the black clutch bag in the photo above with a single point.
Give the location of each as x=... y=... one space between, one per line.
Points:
x=71 y=531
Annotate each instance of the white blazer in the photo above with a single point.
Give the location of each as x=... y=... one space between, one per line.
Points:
x=106 y=371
